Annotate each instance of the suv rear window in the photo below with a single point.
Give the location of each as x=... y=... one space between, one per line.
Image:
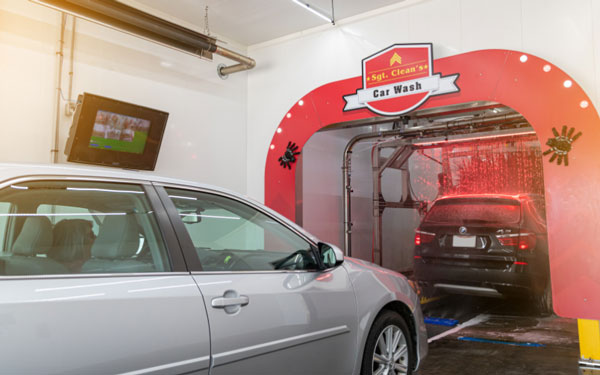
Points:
x=475 y=211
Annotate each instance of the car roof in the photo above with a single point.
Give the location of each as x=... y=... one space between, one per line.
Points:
x=12 y=170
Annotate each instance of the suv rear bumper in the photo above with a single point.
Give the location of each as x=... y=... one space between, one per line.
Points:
x=487 y=282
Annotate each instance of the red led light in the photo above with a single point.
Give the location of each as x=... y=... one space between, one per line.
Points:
x=521 y=263
x=423 y=237
x=527 y=241
x=418 y=257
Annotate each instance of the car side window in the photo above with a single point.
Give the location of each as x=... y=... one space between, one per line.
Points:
x=71 y=227
x=229 y=235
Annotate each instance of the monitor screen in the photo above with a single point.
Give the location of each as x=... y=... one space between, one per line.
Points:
x=114 y=133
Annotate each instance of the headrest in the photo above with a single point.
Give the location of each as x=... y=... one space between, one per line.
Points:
x=35 y=237
x=72 y=239
x=118 y=238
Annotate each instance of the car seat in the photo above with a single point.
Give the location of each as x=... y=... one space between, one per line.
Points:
x=35 y=239
x=115 y=246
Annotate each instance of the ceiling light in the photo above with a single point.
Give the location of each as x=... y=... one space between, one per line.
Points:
x=315 y=11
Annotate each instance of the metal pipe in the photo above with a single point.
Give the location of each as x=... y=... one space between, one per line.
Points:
x=376 y=250
x=346 y=184
x=124 y=18
x=245 y=62
x=70 y=108
x=392 y=158
x=59 y=54
x=412 y=132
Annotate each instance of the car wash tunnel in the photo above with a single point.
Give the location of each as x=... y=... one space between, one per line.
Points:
x=458 y=195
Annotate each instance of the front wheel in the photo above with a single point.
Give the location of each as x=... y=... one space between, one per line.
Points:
x=389 y=348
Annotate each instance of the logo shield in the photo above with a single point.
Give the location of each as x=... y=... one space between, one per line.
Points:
x=399 y=79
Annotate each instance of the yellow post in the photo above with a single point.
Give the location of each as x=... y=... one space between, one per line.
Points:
x=589 y=340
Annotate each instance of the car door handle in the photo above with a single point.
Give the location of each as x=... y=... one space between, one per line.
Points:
x=222 y=302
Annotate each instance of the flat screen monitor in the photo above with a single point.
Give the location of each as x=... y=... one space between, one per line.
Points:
x=114 y=133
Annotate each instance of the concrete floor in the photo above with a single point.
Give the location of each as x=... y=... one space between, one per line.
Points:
x=506 y=338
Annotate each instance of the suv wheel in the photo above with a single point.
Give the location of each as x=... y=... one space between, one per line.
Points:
x=389 y=348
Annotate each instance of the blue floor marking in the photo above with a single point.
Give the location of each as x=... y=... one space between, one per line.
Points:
x=527 y=344
x=441 y=321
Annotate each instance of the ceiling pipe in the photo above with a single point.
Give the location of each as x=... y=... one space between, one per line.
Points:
x=245 y=62
x=125 y=18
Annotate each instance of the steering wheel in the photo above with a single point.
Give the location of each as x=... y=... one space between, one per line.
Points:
x=294 y=261
x=220 y=260
x=225 y=260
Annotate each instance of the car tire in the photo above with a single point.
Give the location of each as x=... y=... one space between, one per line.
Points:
x=376 y=359
x=543 y=301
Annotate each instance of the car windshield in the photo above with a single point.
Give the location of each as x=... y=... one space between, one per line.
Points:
x=475 y=210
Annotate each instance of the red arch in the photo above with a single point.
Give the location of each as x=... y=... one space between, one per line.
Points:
x=537 y=90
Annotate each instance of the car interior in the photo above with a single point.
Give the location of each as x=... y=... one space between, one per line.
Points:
x=228 y=235
x=52 y=228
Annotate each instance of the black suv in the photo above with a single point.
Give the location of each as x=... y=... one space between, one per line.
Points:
x=492 y=245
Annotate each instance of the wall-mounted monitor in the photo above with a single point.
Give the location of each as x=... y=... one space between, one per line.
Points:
x=114 y=133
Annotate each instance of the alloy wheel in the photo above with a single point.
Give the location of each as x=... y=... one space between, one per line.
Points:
x=390 y=356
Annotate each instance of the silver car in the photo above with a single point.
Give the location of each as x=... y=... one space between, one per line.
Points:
x=106 y=272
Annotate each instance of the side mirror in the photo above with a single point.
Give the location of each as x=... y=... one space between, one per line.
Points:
x=330 y=255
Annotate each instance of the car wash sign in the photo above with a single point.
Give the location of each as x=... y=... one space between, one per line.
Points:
x=399 y=79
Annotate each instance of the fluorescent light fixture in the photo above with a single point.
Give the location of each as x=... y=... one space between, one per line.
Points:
x=474 y=137
x=315 y=11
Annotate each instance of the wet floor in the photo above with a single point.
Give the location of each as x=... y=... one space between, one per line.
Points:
x=497 y=336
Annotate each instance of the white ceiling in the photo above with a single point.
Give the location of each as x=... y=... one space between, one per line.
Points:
x=251 y=22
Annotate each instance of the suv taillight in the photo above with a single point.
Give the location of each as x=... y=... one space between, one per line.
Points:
x=522 y=241
x=423 y=237
x=508 y=239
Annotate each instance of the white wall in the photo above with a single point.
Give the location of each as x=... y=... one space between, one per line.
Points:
x=228 y=124
x=205 y=138
x=565 y=32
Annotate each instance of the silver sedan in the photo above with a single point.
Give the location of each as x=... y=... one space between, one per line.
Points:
x=106 y=272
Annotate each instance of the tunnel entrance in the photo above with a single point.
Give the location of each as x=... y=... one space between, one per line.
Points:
x=407 y=187
x=397 y=168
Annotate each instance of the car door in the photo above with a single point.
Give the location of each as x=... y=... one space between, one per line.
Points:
x=270 y=307
x=93 y=282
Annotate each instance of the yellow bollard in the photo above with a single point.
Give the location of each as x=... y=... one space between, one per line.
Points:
x=589 y=341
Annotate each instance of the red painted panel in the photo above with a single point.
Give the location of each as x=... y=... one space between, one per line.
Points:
x=548 y=98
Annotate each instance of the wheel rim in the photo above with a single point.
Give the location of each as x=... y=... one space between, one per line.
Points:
x=390 y=356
